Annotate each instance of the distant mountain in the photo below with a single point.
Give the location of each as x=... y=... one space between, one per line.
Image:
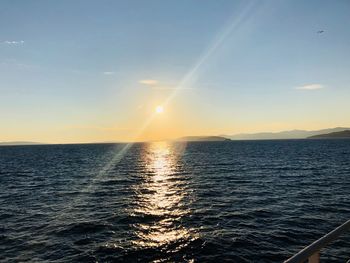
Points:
x=293 y=134
x=341 y=134
x=19 y=143
x=203 y=139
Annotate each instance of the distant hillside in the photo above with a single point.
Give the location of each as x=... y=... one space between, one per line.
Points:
x=341 y=134
x=293 y=134
x=203 y=139
x=19 y=143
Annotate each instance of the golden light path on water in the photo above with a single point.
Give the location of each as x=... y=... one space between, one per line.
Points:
x=162 y=197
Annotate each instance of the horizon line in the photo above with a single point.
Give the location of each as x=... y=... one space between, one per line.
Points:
x=23 y=143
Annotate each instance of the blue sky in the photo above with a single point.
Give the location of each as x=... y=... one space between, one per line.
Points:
x=72 y=71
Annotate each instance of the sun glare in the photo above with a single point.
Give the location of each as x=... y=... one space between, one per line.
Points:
x=159 y=109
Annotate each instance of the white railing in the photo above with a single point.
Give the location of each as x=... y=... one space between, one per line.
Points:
x=312 y=252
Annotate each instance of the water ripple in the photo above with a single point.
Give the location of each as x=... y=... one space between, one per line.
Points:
x=257 y=201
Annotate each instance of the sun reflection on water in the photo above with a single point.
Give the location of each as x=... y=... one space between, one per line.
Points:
x=162 y=199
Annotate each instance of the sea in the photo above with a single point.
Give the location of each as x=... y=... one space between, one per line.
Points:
x=230 y=201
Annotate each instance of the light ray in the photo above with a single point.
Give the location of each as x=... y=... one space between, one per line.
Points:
x=234 y=23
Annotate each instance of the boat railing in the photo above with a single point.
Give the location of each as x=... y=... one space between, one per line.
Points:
x=311 y=253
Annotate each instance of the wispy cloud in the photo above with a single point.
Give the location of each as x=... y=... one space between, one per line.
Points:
x=98 y=128
x=171 y=88
x=149 y=82
x=108 y=73
x=13 y=42
x=314 y=86
x=157 y=85
x=13 y=63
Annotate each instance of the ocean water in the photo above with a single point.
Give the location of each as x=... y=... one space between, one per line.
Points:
x=239 y=201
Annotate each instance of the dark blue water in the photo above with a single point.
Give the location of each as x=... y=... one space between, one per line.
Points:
x=248 y=201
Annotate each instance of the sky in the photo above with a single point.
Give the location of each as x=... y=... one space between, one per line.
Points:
x=95 y=71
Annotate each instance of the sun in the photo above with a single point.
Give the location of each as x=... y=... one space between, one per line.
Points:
x=159 y=109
